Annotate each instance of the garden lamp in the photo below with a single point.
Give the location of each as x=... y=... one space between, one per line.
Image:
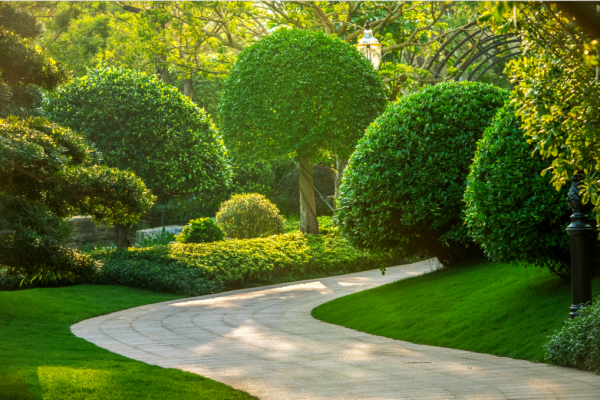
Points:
x=370 y=47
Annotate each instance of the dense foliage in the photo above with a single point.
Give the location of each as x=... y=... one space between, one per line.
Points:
x=201 y=230
x=299 y=91
x=22 y=66
x=557 y=92
x=247 y=216
x=48 y=173
x=144 y=125
x=302 y=93
x=195 y=269
x=513 y=212
x=578 y=342
x=405 y=182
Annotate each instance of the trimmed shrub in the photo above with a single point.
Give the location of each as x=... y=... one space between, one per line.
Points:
x=195 y=269
x=142 y=124
x=201 y=230
x=513 y=212
x=404 y=183
x=578 y=342
x=247 y=216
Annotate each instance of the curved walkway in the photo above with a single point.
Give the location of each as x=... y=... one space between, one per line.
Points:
x=264 y=341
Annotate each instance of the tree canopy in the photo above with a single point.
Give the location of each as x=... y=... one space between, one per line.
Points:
x=297 y=92
x=146 y=126
x=557 y=92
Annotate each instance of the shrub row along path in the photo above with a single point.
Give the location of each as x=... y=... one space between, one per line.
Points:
x=265 y=341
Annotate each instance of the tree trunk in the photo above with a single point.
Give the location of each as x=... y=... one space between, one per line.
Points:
x=163 y=70
x=308 y=208
x=122 y=232
x=188 y=88
x=340 y=166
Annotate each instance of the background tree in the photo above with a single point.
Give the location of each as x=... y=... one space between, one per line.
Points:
x=302 y=93
x=48 y=173
x=405 y=181
x=144 y=125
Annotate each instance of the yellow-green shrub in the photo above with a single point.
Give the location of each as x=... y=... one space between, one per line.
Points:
x=247 y=216
x=195 y=269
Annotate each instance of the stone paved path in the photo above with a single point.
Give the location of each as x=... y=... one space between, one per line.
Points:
x=264 y=341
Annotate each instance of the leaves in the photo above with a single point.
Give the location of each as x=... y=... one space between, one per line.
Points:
x=296 y=92
x=142 y=124
x=512 y=211
x=248 y=216
x=404 y=183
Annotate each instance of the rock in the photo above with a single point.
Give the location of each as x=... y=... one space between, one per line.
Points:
x=86 y=232
x=153 y=232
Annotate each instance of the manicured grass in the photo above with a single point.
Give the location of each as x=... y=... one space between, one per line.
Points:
x=40 y=357
x=493 y=308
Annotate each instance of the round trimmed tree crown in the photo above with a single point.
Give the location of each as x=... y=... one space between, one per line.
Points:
x=297 y=91
x=142 y=124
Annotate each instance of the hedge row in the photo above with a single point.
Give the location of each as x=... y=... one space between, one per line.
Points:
x=196 y=269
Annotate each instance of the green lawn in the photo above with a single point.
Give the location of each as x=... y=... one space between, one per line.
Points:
x=493 y=308
x=39 y=356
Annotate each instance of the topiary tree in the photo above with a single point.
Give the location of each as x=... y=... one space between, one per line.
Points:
x=247 y=216
x=48 y=173
x=301 y=93
x=405 y=181
x=144 y=125
x=512 y=211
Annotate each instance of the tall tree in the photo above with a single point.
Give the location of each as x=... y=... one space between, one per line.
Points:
x=301 y=93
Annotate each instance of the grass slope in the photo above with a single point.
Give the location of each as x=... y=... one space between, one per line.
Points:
x=493 y=308
x=39 y=356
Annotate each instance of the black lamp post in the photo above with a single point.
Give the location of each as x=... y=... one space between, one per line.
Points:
x=581 y=233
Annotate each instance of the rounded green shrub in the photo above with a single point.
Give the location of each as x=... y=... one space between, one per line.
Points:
x=297 y=91
x=577 y=344
x=142 y=124
x=201 y=230
x=404 y=184
x=247 y=216
x=512 y=211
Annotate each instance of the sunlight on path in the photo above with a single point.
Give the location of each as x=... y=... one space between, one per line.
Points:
x=264 y=341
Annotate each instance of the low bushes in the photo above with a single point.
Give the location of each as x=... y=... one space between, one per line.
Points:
x=195 y=269
x=247 y=216
x=201 y=230
x=578 y=343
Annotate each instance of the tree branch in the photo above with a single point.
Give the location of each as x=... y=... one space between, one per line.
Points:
x=63 y=185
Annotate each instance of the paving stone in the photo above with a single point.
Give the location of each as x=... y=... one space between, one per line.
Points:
x=265 y=341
